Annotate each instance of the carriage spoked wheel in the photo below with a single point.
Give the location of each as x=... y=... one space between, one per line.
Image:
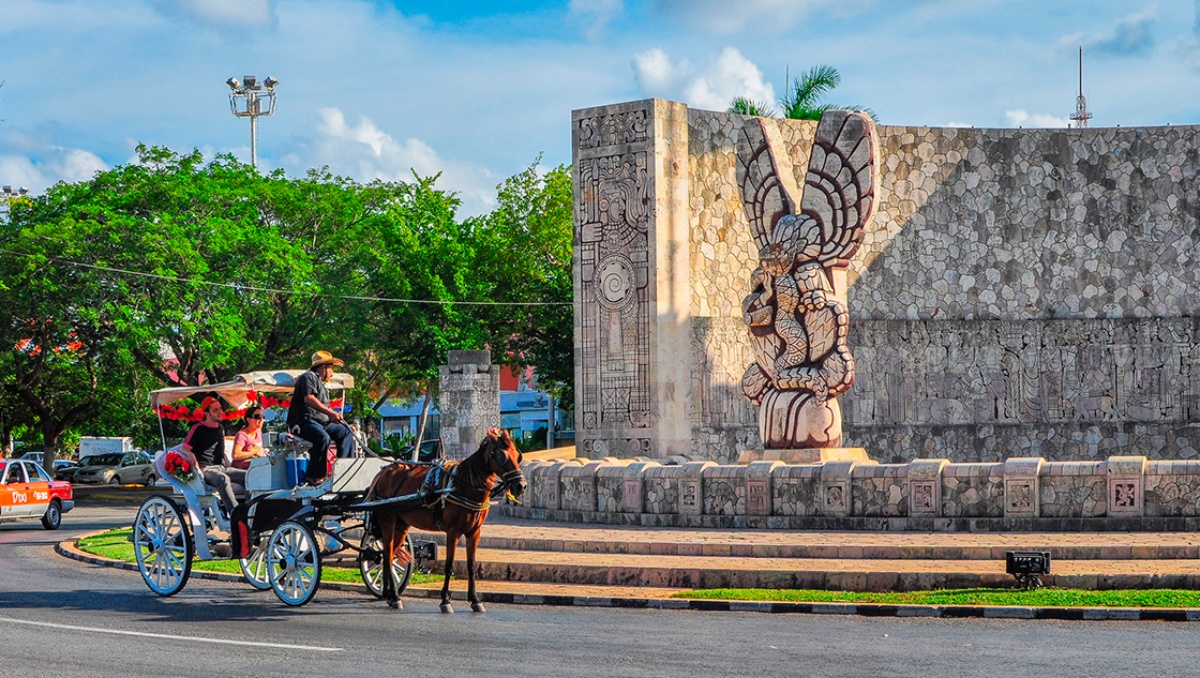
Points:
x=254 y=567
x=294 y=563
x=162 y=545
x=370 y=563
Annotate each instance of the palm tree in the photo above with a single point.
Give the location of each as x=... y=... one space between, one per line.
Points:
x=802 y=101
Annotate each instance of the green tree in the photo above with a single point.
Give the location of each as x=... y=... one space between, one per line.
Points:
x=526 y=251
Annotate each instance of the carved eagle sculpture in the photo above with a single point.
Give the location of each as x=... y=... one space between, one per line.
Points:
x=797 y=328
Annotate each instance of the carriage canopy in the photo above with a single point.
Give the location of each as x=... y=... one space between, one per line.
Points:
x=236 y=392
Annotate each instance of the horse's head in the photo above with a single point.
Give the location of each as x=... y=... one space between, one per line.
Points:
x=504 y=459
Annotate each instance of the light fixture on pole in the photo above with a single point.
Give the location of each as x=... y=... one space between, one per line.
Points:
x=248 y=99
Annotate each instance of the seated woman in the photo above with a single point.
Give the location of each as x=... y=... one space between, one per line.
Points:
x=247 y=445
x=206 y=443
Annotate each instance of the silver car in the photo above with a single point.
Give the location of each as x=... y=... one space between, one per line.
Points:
x=116 y=469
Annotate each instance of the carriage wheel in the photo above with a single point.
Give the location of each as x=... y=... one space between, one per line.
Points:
x=294 y=563
x=162 y=545
x=254 y=567
x=371 y=566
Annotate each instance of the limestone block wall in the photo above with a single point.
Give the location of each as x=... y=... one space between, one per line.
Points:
x=1118 y=493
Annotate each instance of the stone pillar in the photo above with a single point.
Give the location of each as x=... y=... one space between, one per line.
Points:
x=632 y=280
x=1126 y=495
x=469 y=401
x=1022 y=488
x=925 y=486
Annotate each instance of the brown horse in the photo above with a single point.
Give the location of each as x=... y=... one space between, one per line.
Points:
x=458 y=509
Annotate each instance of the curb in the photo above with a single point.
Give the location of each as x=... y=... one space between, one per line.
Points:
x=68 y=549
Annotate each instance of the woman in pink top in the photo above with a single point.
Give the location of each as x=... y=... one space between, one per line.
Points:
x=247 y=444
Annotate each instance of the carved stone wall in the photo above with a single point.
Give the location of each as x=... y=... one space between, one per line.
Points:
x=1019 y=292
x=632 y=369
x=1024 y=493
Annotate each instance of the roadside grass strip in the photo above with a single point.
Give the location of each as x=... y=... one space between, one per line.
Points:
x=1044 y=597
x=118 y=545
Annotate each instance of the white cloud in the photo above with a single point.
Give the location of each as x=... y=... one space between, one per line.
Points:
x=1020 y=118
x=230 y=13
x=48 y=166
x=594 y=14
x=366 y=152
x=730 y=75
x=1132 y=36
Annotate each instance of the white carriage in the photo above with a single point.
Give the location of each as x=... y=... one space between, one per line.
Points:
x=279 y=532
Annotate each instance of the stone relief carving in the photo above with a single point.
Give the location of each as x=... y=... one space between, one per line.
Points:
x=797 y=315
x=614 y=212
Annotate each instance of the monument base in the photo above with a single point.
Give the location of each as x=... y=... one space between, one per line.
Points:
x=805 y=456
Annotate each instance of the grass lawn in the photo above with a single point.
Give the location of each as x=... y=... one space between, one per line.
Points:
x=116 y=544
x=1044 y=597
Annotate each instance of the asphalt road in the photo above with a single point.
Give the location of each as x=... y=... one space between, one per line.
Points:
x=59 y=617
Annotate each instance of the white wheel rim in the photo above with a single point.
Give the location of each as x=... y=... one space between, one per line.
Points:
x=294 y=563
x=254 y=568
x=160 y=546
x=372 y=573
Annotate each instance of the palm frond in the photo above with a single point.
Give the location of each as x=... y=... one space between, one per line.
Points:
x=745 y=106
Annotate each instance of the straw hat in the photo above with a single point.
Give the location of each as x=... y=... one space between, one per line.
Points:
x=325 y=358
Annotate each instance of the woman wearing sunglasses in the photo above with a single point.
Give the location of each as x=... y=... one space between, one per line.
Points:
x=247 y=444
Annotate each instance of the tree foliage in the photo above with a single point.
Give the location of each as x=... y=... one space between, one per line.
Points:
x=175 y=270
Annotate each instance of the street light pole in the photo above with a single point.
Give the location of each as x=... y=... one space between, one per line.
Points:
x=246 y=99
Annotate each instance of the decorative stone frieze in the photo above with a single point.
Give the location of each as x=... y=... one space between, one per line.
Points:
x=841 y=495
x=925 y=486
x=1125 y=493
x=1022 y=491
x=758 y=487
x=691 y=487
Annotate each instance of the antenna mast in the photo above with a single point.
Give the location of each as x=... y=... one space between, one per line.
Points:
x=1081 y=112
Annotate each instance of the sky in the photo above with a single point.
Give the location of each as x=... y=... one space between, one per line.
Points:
x=478 y=91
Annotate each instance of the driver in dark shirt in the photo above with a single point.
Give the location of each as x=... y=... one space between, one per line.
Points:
x=206 y=442
x=311 y=417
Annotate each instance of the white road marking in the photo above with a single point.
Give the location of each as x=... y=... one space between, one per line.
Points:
x=217 y=641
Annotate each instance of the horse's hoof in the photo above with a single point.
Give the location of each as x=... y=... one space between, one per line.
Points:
x=447 y=608
x=477 y=607
x=395 y=604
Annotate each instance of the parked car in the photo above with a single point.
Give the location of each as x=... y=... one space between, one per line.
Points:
x=59 y=464
x=27 y=492
x=116 y=469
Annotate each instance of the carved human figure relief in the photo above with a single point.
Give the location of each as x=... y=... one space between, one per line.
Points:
x=796 y=312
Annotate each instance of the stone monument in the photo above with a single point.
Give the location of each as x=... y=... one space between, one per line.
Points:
x=797 y=310
x=469 y=401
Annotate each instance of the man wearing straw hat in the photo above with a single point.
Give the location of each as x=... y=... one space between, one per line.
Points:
x=311 y=418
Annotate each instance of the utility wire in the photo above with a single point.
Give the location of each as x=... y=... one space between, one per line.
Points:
x=253 y=288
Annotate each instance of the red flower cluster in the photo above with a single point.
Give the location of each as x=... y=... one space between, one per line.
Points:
x=179 y=466
x=186 y=413
x=190 y=413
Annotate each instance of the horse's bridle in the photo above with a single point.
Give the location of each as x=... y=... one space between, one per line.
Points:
x=513 y=476
x=508 y=478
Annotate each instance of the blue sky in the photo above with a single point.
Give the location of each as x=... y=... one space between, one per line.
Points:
x=477 y=90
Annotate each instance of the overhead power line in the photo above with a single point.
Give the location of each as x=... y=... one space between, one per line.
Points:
x=273 y=290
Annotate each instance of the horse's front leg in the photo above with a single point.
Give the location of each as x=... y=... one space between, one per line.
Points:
x=451 y=545
x=472 y=544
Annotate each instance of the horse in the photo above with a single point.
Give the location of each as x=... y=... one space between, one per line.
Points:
x=459 y=509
